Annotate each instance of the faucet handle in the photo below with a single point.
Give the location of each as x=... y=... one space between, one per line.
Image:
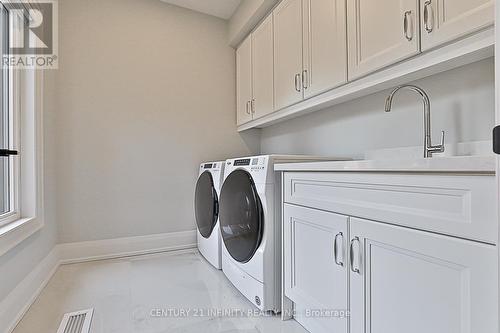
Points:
x=440 y=147
x=429 y=150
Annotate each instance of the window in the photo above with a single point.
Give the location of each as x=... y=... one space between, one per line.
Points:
x=9 y=131
x=21 y=140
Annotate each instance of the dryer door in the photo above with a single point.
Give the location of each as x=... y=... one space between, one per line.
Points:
x=206 y=204
x=241 y=216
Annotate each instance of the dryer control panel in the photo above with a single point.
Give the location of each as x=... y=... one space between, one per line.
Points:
x=242 y=162
x=257 y=166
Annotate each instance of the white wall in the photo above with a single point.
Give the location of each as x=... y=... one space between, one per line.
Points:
x=462 y=101
x=18 y=262
x=146 y=91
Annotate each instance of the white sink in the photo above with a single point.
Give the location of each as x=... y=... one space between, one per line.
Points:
x=476 y=148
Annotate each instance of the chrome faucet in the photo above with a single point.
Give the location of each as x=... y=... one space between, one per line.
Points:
x=429 y=149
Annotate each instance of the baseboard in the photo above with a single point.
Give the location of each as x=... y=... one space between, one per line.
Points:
x=16 y=304
x=18 y=301
x=124 y=247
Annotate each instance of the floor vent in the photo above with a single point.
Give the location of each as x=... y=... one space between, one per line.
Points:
x=76 y=322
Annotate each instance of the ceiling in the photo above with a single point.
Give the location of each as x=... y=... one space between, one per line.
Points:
x=220 y=8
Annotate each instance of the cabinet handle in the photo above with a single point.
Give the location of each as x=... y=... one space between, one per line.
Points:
x=428 y=17
x=305 y=79
x=297 y=82
x=408 y=26
x=252 y=105
x=335 y=249
x=351 y=251
x=247 y=107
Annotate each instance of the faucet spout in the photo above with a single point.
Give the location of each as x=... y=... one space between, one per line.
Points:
x=429 y=149
x=388 y=103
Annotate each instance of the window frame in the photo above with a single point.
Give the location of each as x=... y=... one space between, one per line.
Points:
x=27 y=213
x=14 y=212
x=14 y=133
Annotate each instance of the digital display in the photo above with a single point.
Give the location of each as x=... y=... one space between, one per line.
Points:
x=246 y=161
x=208 y=166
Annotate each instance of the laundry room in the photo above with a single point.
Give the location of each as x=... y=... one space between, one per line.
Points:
x=249 y=166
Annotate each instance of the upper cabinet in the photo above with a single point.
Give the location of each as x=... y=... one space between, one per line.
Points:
x=244 y=81
x=325 y=46
x=311 y=54
x=288 y=53
x=262 y=69
x=381 y=33
x=443 y=21
x=254 y=74
x=309 y=49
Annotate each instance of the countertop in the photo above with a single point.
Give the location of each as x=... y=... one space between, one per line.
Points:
x=456 y=164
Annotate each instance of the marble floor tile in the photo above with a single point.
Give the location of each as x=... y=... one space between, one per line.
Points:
x=170 y=292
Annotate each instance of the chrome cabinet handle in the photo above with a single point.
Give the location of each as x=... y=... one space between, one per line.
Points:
x=247 y=107
x=335 y=249
x=297 y=82
x=408 y=26
x=252 y=106
x=305 y=79
x=351 y=252
x=428 y=17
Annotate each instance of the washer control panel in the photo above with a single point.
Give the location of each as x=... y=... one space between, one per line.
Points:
x=212 y=166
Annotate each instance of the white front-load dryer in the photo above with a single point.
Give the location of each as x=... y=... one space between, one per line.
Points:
x=206 y=204
x=250 y=224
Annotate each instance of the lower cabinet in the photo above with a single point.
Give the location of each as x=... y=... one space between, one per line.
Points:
x=402 y=280
x=391 y=279
x=315 y=262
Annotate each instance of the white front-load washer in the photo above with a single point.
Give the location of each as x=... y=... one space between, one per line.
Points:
x=206 y=202
x=250 y=225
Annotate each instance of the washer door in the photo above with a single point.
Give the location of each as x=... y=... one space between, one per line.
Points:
x=241 y=216
x=206 y=204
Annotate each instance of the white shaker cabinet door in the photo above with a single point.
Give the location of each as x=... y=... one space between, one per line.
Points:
x=262 y=58
x=244 y=82
x=315 y=261
x=445 y=20
x=287 y=53
x=404 y=280
x=381 y=33
x=325 y=45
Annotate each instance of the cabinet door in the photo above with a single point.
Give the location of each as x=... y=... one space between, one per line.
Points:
x=445 y=20
x=244 y=81
x=262 y=58
x=380 y=33
x=403 y=280
x=315 y=264
x=287 y=53
x=325 y=49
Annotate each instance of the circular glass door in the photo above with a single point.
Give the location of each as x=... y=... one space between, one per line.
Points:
x=206 y=204
x=241 y=216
